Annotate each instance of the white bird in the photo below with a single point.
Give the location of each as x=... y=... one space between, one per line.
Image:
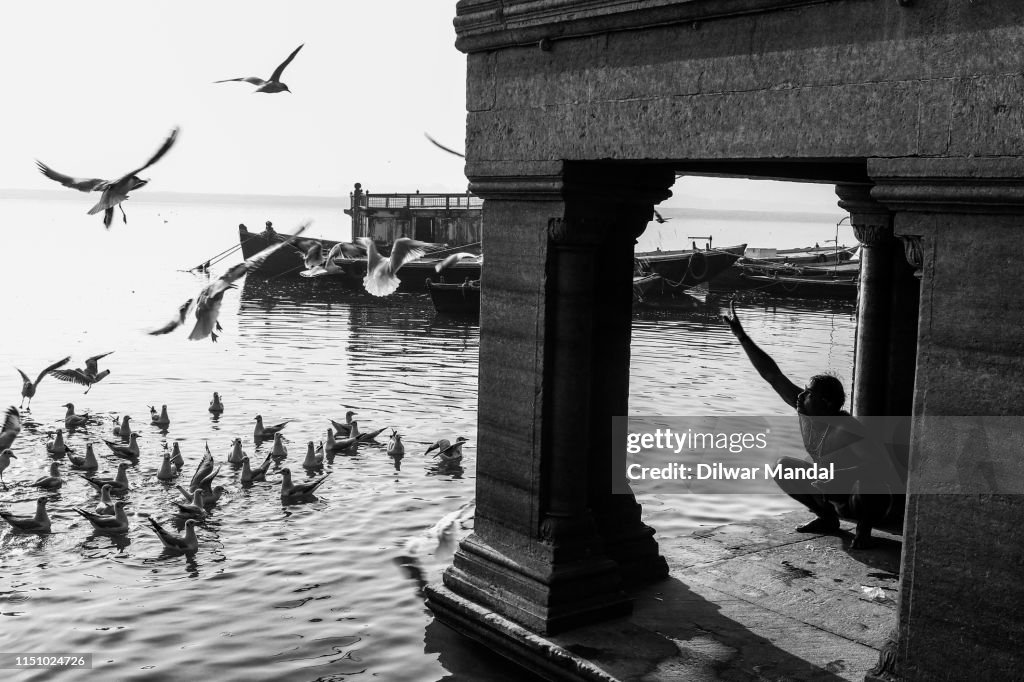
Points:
x=261 y=432
x=56 y=447
x=381 y=273
x=160 y=419
x=250 y=475
x=84 y=377
x=452 y=260
x=131 y=451
x=28 y=387
x=272 y=85
x=187 y=544
x=167 y=471
x=86 y=463
x=343 y=428
x=216 y=406
x=5 y=461
x=328 y=266
x=314 y=457
x=210 y=497
x=105 y=523
x=205 y=472
x=298 y=492
x=237 y=453
x=395 y=446
x=280 y=451
x=51 y=482
x=11 y=427
x=72 y=420
x=118 y=484
x=106 y=505
x=208 y=302
x=195 y=508
x=452 y=454
x=38 y=523
x=175 y=322
x=124 y=430
x=334 y=445
x=312 y=252
x=114 y=191
x=176 y=459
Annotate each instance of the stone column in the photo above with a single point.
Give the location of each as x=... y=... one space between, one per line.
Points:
x=961 y=604
x=553 y=366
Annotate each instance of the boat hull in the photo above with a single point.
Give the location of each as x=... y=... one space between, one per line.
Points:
x=683 y=269
x=413 y=276
x=455 y=299
x=844 y=288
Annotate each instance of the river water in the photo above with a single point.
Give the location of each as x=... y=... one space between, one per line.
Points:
x=298 y=592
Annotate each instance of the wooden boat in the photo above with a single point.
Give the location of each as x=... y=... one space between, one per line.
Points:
x=455 y=299
x=790 y=263
x=687 y=268
x=803 y=287
x=799 y=256
x=287 y=262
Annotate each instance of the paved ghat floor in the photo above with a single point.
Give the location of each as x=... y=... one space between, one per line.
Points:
x=747 y=601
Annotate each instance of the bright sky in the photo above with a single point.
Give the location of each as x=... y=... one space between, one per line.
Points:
x=93 y=89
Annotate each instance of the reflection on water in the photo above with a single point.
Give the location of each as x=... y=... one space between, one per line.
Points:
x=321 y=576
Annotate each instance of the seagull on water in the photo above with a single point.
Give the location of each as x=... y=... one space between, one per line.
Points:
x=38 y=523
x=72 y=420
x=237 y=453
x=261 y=432
x=114 y=191
x=124 y=430
x=208 y=302
x=56 y=447
x=272 y=85
x=11 y=427
x=51 y=482
x=452 y=454
x=86 y=463
x=368 y=437
x=131 y=451
x=167 y=471
x=314 y=457
x=381 y=273
x=28 y=387
x=344 y=428
x=250 y=475
x=104 y=523
x=5 y=461
x=280 y=451
x=194 y=508
x=298 y=492
x=209 y=499
x=186 y=544
x=216 y=406
x=105 y=506
x=395 y=446
x=118 y=484
x=84 y=377
x=159 y=418
x=176 y=459
x=205 y=473
x=334 y=445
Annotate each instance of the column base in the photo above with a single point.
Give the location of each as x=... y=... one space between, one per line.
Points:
x=553 y=599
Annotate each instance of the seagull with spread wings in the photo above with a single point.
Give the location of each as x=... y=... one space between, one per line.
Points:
x=208 y=302
x=84 y=377
x=113 y=191
x=274 y=84
x=28 y=387
x=381 y=273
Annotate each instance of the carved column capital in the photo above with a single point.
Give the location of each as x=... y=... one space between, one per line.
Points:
x=873 y=233
x=914 y=252
x=871 y=221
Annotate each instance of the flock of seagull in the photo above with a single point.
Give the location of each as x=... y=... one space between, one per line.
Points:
x=107 y=515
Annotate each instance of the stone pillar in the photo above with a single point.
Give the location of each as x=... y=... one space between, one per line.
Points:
x=961 y=605
x=886 y=310
x=554 y=357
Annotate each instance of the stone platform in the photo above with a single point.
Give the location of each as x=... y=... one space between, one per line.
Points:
x=746 y=601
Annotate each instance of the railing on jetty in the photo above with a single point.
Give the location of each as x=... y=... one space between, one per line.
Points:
x=445 y=201
x=453 y=219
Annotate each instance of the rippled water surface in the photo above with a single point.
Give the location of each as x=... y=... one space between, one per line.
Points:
x=299 y=592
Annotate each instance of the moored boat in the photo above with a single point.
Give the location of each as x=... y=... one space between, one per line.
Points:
x=803 y=287
x=687 y=268
x=455 y=299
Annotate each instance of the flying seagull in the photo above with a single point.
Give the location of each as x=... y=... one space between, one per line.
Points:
x=208 y=302
x=272 y=85
x=28 y=387
x=114 y=191
x=447 y=149
x=381 y=279
x=659 y=219
x=84 y=377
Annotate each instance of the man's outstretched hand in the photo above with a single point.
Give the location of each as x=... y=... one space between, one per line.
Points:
x=733 y=321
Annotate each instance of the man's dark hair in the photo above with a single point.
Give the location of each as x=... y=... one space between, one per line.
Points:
x=829 y=387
